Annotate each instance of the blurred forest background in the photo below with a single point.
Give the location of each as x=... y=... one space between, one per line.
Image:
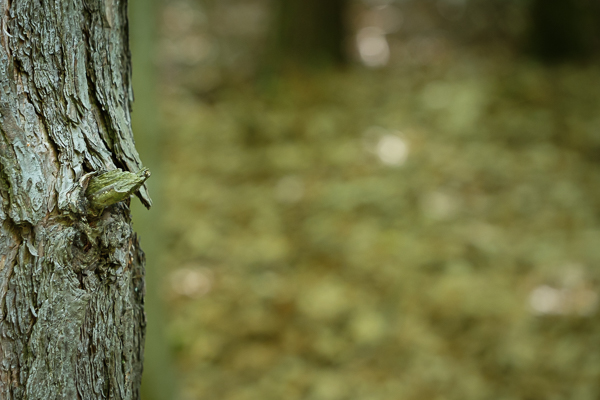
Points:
x=370 y=199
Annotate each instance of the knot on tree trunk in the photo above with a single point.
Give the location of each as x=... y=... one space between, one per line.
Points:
x=95 y=191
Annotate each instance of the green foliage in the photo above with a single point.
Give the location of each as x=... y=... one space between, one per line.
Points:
x=315 y=257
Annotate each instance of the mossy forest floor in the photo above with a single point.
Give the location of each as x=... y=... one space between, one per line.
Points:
x=417 y=233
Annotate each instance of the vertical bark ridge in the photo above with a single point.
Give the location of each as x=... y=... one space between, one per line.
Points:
x=71 y=283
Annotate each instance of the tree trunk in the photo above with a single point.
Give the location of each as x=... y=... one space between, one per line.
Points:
x=71 y=270
x=563 y=30
x=310 y=32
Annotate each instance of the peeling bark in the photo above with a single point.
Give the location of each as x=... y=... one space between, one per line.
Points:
x=71 y=275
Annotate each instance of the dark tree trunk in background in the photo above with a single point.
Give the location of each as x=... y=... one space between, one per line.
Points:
x=564 y=30
x=311 y=32
x=71 y=274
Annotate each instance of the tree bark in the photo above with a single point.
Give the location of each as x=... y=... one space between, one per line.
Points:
x=71 y=270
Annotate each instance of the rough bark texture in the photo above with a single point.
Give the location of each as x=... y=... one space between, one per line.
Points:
x=71 y=282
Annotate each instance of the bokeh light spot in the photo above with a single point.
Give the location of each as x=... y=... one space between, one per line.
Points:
x=392 y=150
x=192 y=282
x=373 y=47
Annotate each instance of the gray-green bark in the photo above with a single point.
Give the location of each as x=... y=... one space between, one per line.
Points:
x=71 y=274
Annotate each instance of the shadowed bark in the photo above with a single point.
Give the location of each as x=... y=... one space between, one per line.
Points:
x=71 y=273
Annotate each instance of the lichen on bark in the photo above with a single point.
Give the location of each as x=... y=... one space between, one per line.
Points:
x=71 y=280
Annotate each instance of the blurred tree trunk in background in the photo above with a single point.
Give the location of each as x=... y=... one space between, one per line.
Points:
x=71 y=270
x=310 y=33
x=565 y=29
x=158 y=381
